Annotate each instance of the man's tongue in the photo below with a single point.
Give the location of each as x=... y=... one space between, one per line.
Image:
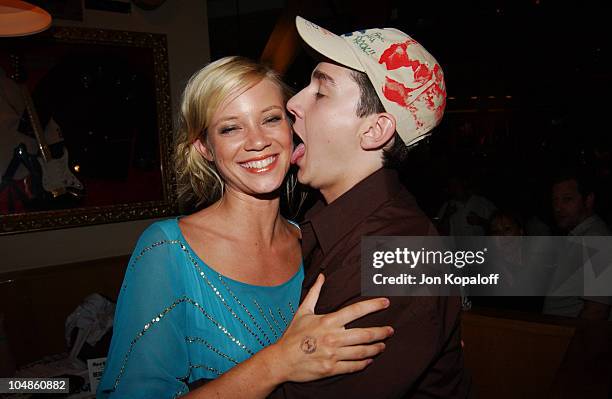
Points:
x=298 y=152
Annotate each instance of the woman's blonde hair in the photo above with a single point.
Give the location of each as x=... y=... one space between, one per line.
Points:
x=198 y=181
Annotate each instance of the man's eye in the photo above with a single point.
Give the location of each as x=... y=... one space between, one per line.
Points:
x=319 y=95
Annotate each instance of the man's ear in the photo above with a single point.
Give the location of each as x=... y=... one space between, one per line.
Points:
x=378 y=131
x=204 y=150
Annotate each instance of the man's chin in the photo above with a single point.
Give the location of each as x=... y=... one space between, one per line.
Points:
x=565 y=226
x=300 y=176
x=304 y=182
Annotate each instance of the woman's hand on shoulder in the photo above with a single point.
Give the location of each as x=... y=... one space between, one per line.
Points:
x=317 y=346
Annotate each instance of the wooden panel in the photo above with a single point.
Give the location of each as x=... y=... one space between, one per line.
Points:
x=36 y=302
x=587 y=368
x=510 y=358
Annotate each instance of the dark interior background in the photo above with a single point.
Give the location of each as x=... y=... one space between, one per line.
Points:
x=528 y=86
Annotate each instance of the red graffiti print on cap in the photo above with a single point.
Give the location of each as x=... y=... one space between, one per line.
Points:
x=395 y=57
x=438 y=90
x=398 y=93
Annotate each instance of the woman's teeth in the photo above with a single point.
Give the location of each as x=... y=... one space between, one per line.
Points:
x=262 y=163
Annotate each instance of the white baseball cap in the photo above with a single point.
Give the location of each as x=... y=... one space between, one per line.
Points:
x=408 y=80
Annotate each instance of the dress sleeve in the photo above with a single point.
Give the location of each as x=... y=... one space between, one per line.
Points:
x=148 y=356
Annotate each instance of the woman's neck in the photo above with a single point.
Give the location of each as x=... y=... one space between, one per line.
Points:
x=256 y=217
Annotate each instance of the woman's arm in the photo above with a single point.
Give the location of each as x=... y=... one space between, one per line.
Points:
x=313 y=347
x=148 y=350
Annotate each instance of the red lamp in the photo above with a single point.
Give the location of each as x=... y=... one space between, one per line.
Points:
x=18 y=18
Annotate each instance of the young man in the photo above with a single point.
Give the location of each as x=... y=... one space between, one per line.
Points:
x=573 y=203
x=377 y=92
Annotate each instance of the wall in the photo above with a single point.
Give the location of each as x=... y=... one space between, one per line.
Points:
x=186 y=26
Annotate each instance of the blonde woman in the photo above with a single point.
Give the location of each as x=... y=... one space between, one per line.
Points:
x=213 y=297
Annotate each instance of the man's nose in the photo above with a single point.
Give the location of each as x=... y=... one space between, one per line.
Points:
x=294 y=105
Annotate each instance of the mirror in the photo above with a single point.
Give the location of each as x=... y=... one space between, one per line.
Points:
x=85 y=129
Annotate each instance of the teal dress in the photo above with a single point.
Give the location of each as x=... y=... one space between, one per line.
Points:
x=178 y=320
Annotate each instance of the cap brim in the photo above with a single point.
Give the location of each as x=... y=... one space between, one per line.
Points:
x=327 y=44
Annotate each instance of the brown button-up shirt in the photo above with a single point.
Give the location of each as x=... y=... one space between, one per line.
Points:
x=423 y=359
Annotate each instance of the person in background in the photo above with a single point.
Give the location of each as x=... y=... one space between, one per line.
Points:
x=523 y=263
x=505 y=223
x=465 y=213
x=573 y=204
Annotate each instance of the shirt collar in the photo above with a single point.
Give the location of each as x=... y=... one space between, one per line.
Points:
x=586 y=225
x=332 y=222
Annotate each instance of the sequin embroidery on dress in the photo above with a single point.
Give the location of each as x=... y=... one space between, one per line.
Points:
x=220 y=322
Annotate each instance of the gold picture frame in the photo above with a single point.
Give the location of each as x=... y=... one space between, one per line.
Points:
x=128 y=178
